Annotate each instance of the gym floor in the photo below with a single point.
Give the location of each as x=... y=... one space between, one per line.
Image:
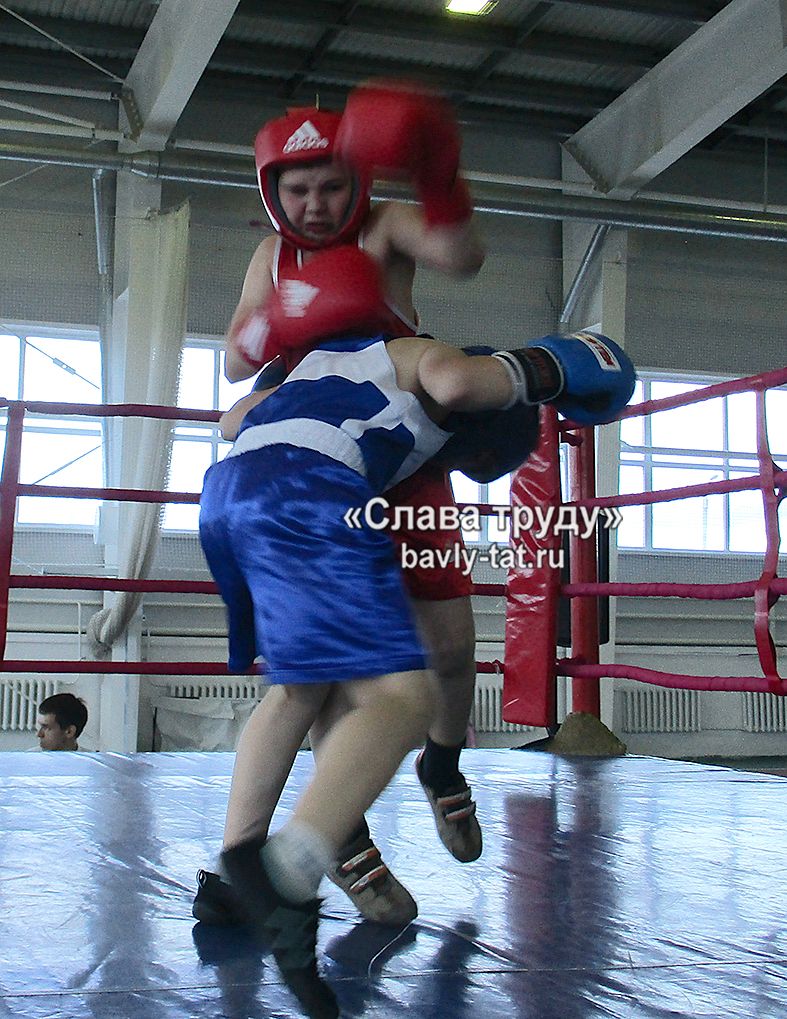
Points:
x=622 y=888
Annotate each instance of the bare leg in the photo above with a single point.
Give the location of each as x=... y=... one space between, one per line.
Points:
x=359 y=869
x=266 y=752
x=335 y=706
x=448 y=630
x=388 y=716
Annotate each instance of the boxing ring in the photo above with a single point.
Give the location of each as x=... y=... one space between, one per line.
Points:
x=531 y=622
x=629 y=888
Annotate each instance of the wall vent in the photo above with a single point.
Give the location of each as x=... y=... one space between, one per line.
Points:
x=764 y=712
x=19 y=700
x=659 y=710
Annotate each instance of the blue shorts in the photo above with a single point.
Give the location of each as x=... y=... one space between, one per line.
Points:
x=320 y=601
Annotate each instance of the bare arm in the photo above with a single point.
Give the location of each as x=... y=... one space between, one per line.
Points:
x=230 y=421
x=257 y=287
x=455 y=250
x=446 y=379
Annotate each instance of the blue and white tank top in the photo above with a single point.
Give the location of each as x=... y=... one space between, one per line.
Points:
x=342 y=400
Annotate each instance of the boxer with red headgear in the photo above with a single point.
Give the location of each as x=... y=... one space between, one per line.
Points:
x=301 y=139
x=318 y=199
x=319 y=207
x=314 y=202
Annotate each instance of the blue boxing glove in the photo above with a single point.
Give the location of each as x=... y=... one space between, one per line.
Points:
x=587 y=376
x=487 y=444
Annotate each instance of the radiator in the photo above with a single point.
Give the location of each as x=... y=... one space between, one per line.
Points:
x=486 y=716
x=764 y=712
x=659 y=710
x=222 y=689
x=19 y=700
x=487 y=713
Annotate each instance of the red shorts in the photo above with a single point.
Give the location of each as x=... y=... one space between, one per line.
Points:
x=429 y=486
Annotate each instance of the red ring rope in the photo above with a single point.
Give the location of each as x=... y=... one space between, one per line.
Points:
x=765 y=590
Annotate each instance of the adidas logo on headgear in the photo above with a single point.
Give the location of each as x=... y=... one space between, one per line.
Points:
x=306 y=137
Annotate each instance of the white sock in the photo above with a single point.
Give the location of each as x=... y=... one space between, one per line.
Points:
x=296 y=859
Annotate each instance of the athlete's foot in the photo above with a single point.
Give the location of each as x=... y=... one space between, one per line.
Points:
x=288 y=928
x=455 y=816
x=216 y=903
x=371 y=887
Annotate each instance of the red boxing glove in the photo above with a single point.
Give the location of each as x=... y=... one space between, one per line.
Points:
x=338 y=292
x=401 y=131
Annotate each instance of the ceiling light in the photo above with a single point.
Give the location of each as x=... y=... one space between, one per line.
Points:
x=470 y=6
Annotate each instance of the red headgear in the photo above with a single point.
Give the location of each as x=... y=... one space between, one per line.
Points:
x=303 y=135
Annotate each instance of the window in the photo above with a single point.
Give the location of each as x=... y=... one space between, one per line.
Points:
x=496 y=493
x=708 y=441
x=195 y=447
x=703 y=442
x=62 y=366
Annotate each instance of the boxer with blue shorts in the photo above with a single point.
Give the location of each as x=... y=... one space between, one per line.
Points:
x=321 y=600
x=330 y=603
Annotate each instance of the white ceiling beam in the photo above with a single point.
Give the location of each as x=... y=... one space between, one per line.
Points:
x=174 y=53
x=709 y=78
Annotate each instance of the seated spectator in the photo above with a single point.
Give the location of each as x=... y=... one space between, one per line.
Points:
x=61 y=719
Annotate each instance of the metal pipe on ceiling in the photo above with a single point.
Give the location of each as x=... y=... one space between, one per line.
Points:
x=574 y=291
x=492 y=198
x=58 y=90
x=104 y=199
x=63 y=130
x=650 y=215
x=103 y=214
x=52 y=116
x=589 y=189
x=475 y=177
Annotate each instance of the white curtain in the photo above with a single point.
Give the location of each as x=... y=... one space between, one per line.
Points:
x=154 y=307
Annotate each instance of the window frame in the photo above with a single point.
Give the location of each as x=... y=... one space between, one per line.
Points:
x=726 y=462
x=679 y=458
x=189 y=432
x=83 y=427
